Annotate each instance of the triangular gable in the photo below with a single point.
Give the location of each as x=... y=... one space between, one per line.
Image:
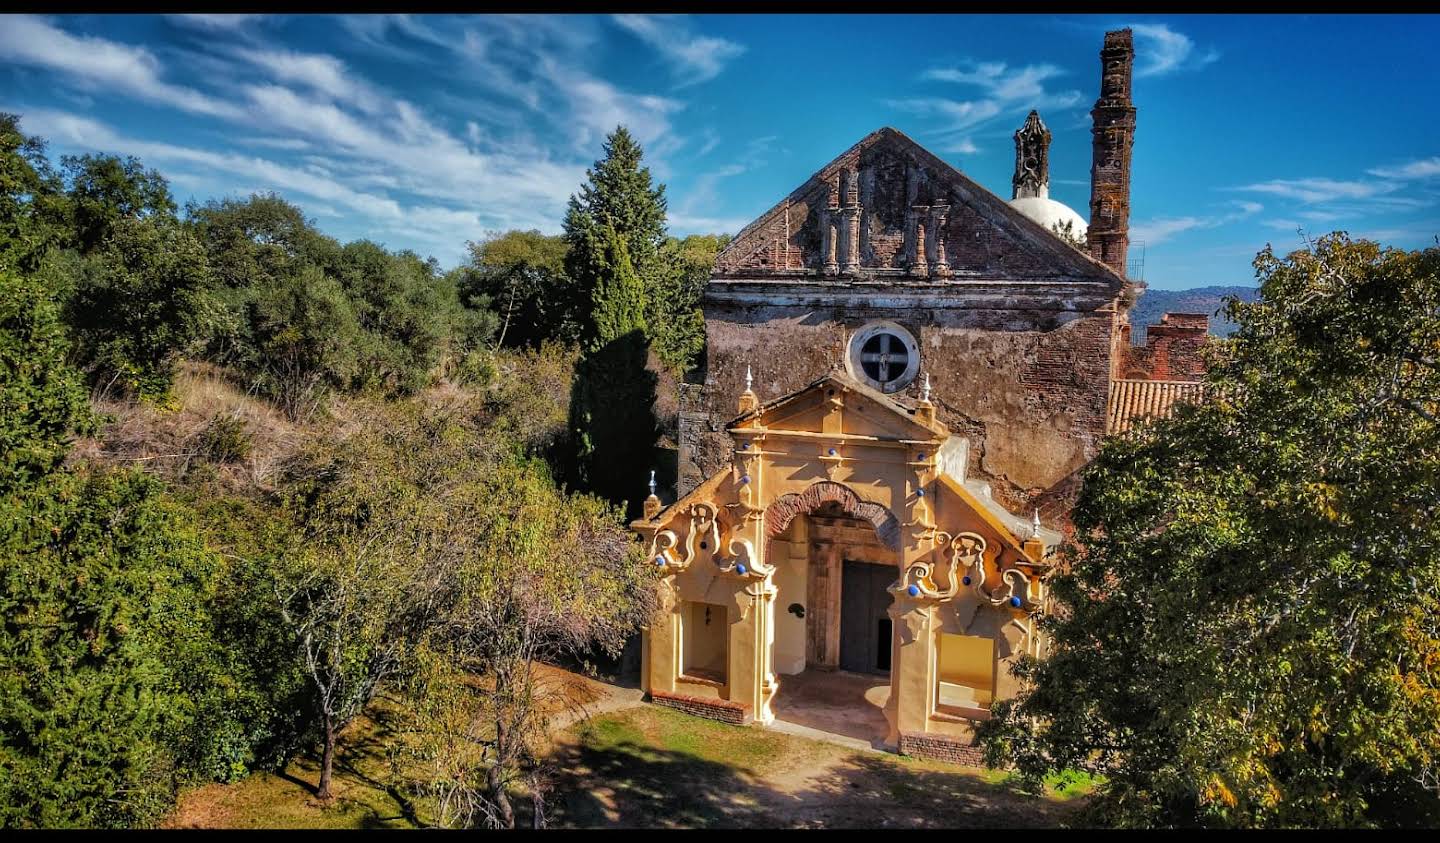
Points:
x=803 y=409
x=887 y=176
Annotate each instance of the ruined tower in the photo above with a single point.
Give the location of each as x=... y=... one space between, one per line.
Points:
x=1114 y=134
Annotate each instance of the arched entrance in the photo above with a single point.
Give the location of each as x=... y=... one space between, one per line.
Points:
x=836 y=557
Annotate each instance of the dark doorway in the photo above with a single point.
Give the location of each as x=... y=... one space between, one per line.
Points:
x=864 y=622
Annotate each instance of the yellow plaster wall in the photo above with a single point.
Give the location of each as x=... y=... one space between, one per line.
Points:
x=790 y=553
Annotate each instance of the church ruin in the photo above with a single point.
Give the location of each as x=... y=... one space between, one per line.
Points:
x=904 y=375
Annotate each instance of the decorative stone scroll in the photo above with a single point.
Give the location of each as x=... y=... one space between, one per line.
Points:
x=965 y=548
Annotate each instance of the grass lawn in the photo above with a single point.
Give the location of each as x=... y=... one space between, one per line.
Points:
x=653 y=767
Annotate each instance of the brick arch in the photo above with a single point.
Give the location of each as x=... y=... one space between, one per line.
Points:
x=783 y=510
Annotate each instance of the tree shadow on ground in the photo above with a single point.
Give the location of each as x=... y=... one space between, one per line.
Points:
x=873 y=791
x=633 y=785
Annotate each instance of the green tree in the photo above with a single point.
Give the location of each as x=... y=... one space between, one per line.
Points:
x=521 y=275
x=105 y=189
x=618 y=194
x=533 y=575
x=359 y=593
x=1247 y=632
x=114 y=687
x=42 y=400
x=139 y=302
x=678 y=333
x=33 y=207
x=612 y=405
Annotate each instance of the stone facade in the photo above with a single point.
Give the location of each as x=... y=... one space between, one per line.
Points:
x=754 y=563
x=921 y=372
x=1019 y=332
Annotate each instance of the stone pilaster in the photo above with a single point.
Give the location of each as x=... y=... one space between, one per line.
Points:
x=939 y=217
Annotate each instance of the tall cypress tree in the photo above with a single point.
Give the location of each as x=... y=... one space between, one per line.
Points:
x=612 y=403
x=618 y=193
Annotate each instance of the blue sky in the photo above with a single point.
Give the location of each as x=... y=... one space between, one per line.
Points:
x=424 y=132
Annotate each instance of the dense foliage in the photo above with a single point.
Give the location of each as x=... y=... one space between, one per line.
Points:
x=1249 y=632
x=322 y=470
x=117 y=686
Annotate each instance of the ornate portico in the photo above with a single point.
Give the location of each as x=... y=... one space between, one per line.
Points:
x=844 y=534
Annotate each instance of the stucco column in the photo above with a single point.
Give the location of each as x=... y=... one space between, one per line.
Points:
x=764 y=609
x=912 y=666
x=660 y=652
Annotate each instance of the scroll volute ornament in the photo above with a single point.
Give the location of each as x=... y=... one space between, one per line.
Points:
x=963 y=549
x=701 y=539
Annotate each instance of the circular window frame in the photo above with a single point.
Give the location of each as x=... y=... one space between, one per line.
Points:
x=870 y=331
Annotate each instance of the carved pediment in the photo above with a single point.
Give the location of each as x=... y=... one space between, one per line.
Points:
x=839 y=405
x=889 y=208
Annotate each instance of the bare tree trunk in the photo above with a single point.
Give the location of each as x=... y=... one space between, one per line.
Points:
x=327 y=759
x=496 y=778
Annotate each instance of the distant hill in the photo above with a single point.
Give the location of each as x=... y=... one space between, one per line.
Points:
x=1208 y=300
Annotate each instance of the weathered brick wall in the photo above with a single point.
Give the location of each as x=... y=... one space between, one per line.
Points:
x=1172 y=349
x=1024 y=377
x=941 y=748
x=736 y=714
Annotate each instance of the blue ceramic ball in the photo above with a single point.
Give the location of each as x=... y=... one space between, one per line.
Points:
x=745 y=478
x=1015 y=601
x=965 y=580
x=832 y=452
x=922 y=455
x=745 y=446
x=660 y=560
x=741 y=568
x=914 y=590
x=919 y=493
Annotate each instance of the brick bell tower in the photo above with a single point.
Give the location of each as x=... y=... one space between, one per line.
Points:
x=1114 y=135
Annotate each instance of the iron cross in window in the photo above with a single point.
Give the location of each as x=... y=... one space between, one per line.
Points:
x=884 y=358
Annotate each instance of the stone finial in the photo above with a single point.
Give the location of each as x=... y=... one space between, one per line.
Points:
x=1035 y=545
x=925 y=410
x=1032 y=159
x=749 y=401
x=652 y=503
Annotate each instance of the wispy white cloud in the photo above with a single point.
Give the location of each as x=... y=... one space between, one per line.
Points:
x=1160 y=50
x=1423 y=168
x=1151 y=232
x=703 y=193
x=213 y=23
x=100 y=64
x=317 y=71
x=963 y=146
x=998 y=80
x=1318 y=190
x=1004 y=90
x=694 y=58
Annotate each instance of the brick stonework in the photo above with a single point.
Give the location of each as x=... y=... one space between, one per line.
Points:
x=780 y=513
x=1172 y=349
x=736 y=714
x=1113 y=135
x=941 y=748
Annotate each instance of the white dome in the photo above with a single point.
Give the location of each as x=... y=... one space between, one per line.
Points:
x=1048 y=213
